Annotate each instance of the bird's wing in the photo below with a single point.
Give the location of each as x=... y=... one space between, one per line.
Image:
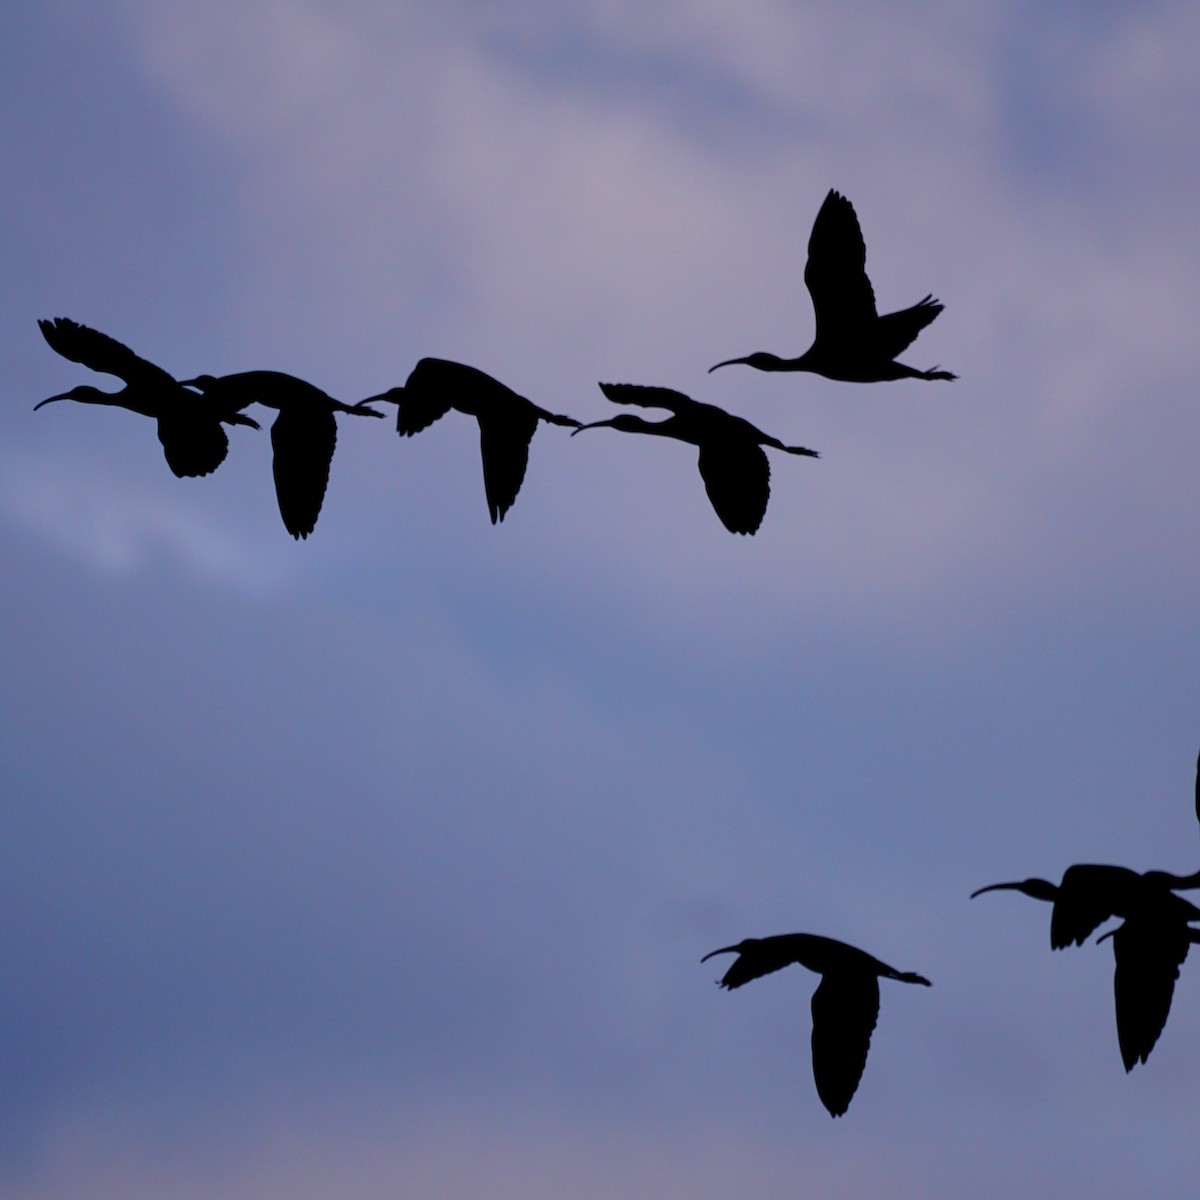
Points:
x=1148 y=960
x=1085 y=901
x=898 y=330
x=429 y=394
x=1198 y=789
x=647 y=397
x=303 y=440
x=417 y=411
x=193 y=444
x=99 y=352
x=836 y=275
x=845 y=1007
x=504 y=439
x=737 y=477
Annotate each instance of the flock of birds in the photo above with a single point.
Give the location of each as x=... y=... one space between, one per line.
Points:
x=851 y=342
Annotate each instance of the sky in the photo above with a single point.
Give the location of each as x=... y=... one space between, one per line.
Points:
x=381 y=864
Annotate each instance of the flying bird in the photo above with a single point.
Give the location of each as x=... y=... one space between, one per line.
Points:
x=189 y=426
x=1149 y=945
x=507 y=421
x=851 y=342
x=732 y=462
x=303 y=436
x=845 y=1005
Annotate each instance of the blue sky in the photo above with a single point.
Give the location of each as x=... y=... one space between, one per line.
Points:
x=382 y=864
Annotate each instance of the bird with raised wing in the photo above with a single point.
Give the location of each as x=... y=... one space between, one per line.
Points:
x=851 y=341
x=732 y=462
x=507 y=421
x=303 y=436
x=189 y=426
x=1149 y=945
x=845 y=1006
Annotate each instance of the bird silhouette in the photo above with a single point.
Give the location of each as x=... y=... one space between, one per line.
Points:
x=303 y=436
x=733 y=465
x=507 y=421
x=189 y=426
x=1149 y=945
x=845 y=1005
x=851 y=341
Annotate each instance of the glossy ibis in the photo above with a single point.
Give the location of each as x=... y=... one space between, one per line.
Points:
x=845 y=1005
x=507 y=421
x=733 y=465
x=189 y=426
x=303 y=436
x=1149 y=945
x=851 y=341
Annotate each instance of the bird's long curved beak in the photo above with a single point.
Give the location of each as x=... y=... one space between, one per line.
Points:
x=391 y=396
x=51 y=399
x=997 y=887
x=729 y=362
x=590 y=425
x=723 y=950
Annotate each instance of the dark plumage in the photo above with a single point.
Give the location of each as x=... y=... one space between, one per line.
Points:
x=1149 y=946
x=303 y=436
x=845 y=1006
x=507 y=421
x=189 y=426
x=851 y=341
x=735 y=470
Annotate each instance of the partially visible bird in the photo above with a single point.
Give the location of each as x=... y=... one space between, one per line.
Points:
x=507 y=421
x=845 y=1006
x=733 y=465
x=189 y=426
x=1149 y=946
x=303 y=436
x=851 y=341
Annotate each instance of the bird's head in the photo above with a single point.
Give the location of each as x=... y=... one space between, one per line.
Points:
x=741 y=948
x=760 y=360
x=626 y=422
x=1039 y=889
x=84 y=394
x=391 y=396
x=202 y=383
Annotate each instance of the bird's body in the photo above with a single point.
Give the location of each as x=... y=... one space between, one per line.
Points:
x=189 y=426
x=845 y=1006
x=1149 y=946
x=303 y=436
x=732 y=463
x=851 y=341
x=507 y=421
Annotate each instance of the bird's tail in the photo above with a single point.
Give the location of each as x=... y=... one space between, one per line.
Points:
x=559 y=419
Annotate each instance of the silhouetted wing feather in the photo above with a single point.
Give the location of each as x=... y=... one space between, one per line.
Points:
x=416 y=412
x=1148 y=962
x=896 y=331
x=737 y=477
x=99 y=352
x=1084 y=902
x=845 y=1008
x=648 y=397
x=766 y=959
x=504 y=446
x=836 y=275
x=193 y=444
x=303 y=440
